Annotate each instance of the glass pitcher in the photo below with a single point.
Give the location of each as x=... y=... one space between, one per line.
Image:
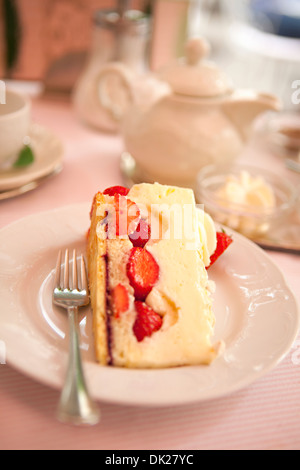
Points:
x=100 y=96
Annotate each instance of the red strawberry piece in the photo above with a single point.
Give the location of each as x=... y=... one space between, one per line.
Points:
x=141 y=235
x=127 y=215
x=116 y=190
x=123 y=216
x=142 y=272
x=147 y=321
x=223 y=242
x=119 y=300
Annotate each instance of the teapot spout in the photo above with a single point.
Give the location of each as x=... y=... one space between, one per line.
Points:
x=242 y=108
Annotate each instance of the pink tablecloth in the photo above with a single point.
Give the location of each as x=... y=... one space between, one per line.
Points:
x=265 y=415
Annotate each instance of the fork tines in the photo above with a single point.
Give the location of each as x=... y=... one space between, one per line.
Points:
x=62 y=272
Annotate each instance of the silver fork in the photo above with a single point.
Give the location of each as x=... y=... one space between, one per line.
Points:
x=76 y=405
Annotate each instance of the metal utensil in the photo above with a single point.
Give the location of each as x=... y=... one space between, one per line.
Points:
x=76 y=405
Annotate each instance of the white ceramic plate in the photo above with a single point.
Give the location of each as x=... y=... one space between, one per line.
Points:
x=257 y=317
x=48 y=152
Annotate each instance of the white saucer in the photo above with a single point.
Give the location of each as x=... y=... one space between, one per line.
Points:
x=256 y=315
x=48 y=152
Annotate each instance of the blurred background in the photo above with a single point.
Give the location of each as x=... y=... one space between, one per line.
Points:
x=257 y=42
x=48 y=40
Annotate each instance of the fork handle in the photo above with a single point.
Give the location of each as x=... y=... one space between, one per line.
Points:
x=76 y=405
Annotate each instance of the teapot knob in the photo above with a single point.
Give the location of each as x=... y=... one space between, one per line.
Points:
x=196 y=49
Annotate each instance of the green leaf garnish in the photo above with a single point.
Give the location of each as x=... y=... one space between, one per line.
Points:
x=25 y=158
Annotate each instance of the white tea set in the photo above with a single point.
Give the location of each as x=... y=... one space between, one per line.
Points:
x=29 y=152
x=15 y=123
x=182 y=118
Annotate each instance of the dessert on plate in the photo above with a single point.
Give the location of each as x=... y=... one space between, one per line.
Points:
x=148 y=253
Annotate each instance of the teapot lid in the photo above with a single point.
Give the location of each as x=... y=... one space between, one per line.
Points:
x=193 y=75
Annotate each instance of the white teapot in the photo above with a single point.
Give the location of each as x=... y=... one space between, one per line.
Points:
x=200 y=119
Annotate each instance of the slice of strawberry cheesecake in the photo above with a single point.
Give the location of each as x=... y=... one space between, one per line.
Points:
x=148 y=249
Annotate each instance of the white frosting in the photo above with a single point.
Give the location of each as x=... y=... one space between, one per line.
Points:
x=172 y=214
x=207 y=233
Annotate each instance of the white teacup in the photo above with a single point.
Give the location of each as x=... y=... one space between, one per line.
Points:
x=14 y=126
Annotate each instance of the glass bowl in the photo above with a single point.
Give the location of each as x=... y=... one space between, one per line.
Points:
x=250 y=220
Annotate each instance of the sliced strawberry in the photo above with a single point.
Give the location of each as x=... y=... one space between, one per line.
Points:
x=223 y=242
x=141 y=235
x=119 y=300
x=123 y=216
x=127 y=215
x=142 y=271
x=116 y=190
x=147 y=321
